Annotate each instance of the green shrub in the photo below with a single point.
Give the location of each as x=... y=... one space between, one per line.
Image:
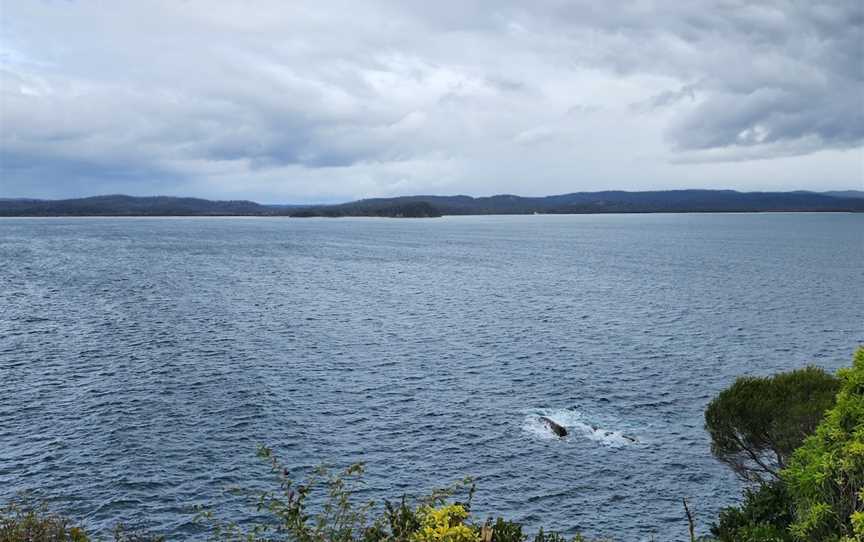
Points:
x=506 y=531
x=293 y=513
x=399 y=522
x=287 y=509
x=764 y=516
x=756 y=424
x=825 y=477
x=22 y=521
x=444 y=524
x=552 y=536
x=123 y=533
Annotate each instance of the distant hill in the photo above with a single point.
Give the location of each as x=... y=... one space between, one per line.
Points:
x=846 y=193
x=117 y=205
x=666 y=201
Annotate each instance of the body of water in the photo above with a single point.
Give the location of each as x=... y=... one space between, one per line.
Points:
x=142 y=360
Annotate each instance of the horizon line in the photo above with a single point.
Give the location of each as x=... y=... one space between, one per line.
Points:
x=422 y=195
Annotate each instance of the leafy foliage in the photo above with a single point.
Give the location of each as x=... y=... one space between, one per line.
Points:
x=293 y=514
x=825 y=477
x=23 y=521
x=322 y=509
x=756 y=424
x=552 y=536
x=401 y=520
x=122 y=533
x=444 y=524
x=764 y=516
x=288 y=508
x=505 y=531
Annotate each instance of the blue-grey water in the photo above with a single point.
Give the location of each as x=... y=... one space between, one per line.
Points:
x=142 y=360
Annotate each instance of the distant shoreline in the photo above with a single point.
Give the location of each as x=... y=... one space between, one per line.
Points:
x=283 y=217
x=424 y=206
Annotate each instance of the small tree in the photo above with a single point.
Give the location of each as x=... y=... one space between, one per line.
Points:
x=757 y=423
x=826 y=475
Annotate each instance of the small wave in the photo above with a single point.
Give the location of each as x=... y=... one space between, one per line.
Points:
x=577 y=427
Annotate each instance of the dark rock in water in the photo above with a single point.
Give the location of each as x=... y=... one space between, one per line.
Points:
x=554 y=427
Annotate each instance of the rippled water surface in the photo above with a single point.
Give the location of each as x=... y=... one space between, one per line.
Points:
x=142 y=360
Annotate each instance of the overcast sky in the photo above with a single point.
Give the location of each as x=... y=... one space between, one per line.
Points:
x=292 y=101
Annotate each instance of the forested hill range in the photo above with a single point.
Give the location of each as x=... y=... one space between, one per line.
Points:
x=117 y=205
x=666 y=201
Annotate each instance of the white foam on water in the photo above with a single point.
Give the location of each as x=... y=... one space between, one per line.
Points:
x=577 y=427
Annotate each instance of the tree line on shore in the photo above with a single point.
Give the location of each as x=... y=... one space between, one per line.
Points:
x=608 y=201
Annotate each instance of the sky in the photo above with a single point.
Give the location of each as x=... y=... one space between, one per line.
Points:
x=318 y=101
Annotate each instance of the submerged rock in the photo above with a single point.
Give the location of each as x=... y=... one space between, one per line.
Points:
x=554 y=427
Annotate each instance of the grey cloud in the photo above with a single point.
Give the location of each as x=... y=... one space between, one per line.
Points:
x=194 y=92
x=54 y=176
x=787 y=69
x=665 y=99
x=772 y=115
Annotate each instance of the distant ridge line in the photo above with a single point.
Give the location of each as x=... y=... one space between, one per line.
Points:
x=423 y=206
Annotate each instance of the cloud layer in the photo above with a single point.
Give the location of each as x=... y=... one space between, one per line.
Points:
x=332 y=100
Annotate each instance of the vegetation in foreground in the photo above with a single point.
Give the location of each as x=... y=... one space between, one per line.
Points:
x=806 y=467
x=22 y=521
x=796 y=439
